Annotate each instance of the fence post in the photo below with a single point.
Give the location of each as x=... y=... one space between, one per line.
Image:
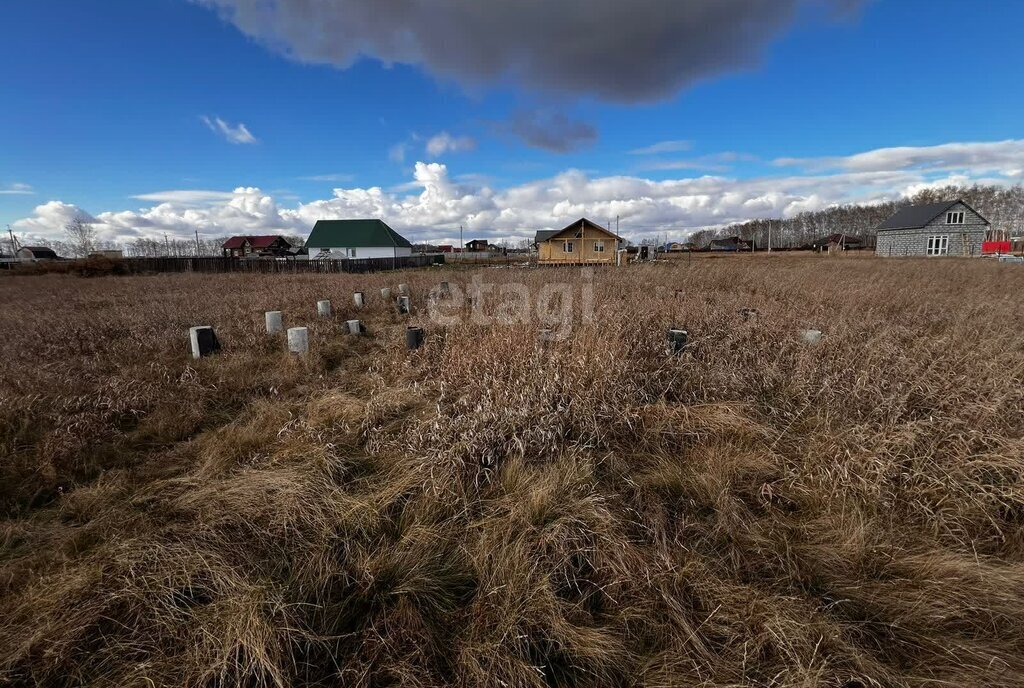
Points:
x=204 y=341
x=677 y=339
x=413 y=338
x=275 y=321
x=298 y=340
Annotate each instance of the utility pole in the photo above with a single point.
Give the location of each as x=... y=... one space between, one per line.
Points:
x=769 y=236
x=14 y=242
x=197 y=243
x=167 y=245
x=462 y=246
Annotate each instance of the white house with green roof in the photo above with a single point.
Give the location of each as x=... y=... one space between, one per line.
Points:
x=356 y=239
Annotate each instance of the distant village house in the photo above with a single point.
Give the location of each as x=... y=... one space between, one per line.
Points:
x=248 y=246
x=581 y=243
x=341 y=239
x=837 y=242
x=949 y=228
x=729 y=244
x=35 y=254
x=478 y=246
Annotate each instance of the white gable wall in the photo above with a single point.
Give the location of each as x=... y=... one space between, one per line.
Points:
x=339 y=252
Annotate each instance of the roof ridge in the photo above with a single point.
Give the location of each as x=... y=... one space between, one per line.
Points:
x=920 y=215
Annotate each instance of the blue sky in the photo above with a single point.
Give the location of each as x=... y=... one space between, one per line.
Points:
x=110 y=111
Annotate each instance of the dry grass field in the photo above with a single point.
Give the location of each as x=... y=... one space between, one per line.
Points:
x=491 y=511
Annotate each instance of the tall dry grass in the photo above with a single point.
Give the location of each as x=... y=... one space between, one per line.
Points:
x=491 y=512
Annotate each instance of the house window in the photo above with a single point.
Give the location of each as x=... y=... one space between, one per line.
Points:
x=955 y=218
x=568 y=247
x=938 y=245
x=599 y=246
x=351 y=252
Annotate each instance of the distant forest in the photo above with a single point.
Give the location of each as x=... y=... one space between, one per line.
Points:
x=1000 y=205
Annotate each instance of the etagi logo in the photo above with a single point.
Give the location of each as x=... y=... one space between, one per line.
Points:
x=552 y=306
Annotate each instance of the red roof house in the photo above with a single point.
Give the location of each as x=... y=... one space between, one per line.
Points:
x=243 y=246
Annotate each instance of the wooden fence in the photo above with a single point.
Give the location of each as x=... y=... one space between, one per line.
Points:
x=480 y=258
x=289 y=266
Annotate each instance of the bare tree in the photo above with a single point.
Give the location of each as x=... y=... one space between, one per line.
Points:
x=702 y=237
x=81 y=236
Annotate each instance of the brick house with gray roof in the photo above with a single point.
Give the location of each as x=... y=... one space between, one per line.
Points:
x=949 y=228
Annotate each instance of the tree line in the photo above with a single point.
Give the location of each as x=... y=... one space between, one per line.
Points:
x=1001 y=205
x=81 y=240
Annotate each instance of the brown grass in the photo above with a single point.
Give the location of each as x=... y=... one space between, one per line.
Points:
x=487 y=512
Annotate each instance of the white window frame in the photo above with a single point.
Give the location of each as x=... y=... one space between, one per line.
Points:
x=955 y=217
x=350 y=252
x=938 y=245
x=568 y=247
x=599 y=246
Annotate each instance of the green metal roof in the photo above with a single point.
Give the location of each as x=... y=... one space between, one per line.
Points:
x=354 y=234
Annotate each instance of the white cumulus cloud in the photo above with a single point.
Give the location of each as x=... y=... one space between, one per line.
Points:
x=432 y=205
x=49 y=219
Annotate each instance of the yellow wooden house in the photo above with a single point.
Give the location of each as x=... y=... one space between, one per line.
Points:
x=581 y=243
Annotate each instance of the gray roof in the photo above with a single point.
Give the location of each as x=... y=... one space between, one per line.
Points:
x=545 y=234
x=917 y=216
x=354 y=234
